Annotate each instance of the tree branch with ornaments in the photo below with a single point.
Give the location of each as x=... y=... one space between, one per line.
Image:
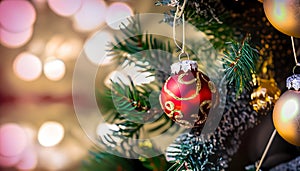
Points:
x=214 y=110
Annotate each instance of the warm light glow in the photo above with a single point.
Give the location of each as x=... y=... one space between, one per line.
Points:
x=70 y=49
x=27 y=66
x=118 y=13
x=289 y=110
x=96 y=48
x=50 y=134
x=37 y=46
x=90 y=16
x=13 y=140
x=53 y=44
x=54 y=69
x=65 y=7
x=15 y=40
x=16 y=16
x=55 y=159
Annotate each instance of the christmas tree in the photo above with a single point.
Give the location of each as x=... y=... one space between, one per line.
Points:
x=245 y=57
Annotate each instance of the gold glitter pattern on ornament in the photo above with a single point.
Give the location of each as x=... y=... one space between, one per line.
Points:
x=208 y=105
x=198 y=87
x=171 y=106
x=184 y=123
x=178 y=114
x=212 y=87
x=265 y=96
x=181 y=81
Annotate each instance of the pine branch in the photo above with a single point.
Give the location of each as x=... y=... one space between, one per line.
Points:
x=239 y=62
x=133 y=109
x=204 y=17
x=142 y=49
x=131 y=103
x=190 y=152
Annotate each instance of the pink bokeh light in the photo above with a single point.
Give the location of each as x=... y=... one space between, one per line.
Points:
x=15 y=40
x=28 y=159
x=13 y=141
x=17 y=16
x=9 y=161
x=90 y=16
x=118 y=13
x=65 y=7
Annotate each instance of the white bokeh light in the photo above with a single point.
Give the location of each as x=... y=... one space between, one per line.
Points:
x=15 y=40
x=90 y=16
x=54 y=69
x=27 y=66
x=50 y=134
x=96 y=48
x=118 y=13
x=65 y=7
x=17 y=16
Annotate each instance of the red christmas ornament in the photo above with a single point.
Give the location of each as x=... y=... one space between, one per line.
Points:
x=186 y=96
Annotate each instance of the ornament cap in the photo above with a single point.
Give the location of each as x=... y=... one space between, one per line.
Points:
x=185 y=66
x=293 y=82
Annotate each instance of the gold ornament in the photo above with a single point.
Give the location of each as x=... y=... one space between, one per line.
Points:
x=265 y=95
x=286 y=116
x=284 y=15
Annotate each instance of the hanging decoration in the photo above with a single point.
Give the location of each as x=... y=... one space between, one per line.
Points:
x=186 y=96
x=286 y=114
x=284 y=15
x=264 y=95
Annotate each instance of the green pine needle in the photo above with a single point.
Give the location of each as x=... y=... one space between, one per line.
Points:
x=239 y=62
x=133 y=109
x=141 y=49
x=130 y=101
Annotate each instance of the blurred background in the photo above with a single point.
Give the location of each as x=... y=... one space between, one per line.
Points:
x=40 y=41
